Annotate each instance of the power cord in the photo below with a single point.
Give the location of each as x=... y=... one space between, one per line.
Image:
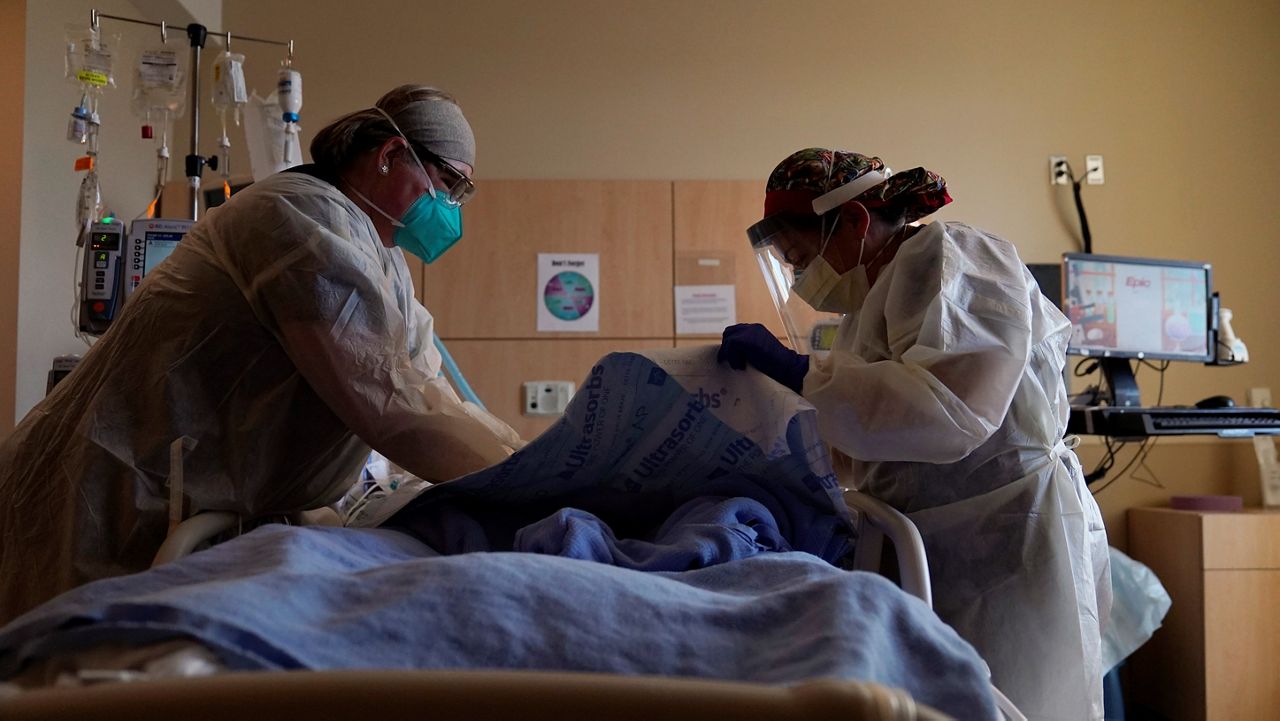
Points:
x=1139 y=457
x=1085 y=235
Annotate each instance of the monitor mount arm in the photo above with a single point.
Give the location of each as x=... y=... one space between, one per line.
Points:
x=1122 y=387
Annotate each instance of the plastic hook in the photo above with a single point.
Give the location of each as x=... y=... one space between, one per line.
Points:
x=164 y=33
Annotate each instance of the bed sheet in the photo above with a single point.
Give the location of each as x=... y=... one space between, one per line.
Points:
x=285 y=597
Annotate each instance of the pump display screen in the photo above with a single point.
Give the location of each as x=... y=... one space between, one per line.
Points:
x=104 y=241
x=823 y=336
x=158 y=247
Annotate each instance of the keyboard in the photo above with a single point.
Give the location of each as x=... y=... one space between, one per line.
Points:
x=1119 y=422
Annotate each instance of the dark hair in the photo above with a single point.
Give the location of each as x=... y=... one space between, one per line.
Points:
x=890 y=215
x=354 y=134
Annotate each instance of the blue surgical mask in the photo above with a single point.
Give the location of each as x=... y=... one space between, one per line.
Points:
x=432 y=223
x=429 y=227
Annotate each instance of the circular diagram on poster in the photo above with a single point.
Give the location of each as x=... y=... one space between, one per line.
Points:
x=568 y=295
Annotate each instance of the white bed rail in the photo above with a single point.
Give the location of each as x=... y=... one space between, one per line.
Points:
x=877 y=519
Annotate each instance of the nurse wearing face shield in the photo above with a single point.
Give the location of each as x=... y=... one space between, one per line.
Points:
x=279 y=343
x=943 y=395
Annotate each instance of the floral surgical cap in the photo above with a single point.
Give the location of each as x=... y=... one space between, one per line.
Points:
x=809 y=173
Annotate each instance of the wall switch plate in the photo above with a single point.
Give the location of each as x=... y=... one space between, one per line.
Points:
x=1058 y=174
x=1093 y=174
x=547 y=398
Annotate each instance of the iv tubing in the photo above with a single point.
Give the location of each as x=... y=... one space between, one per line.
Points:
x=455 y=374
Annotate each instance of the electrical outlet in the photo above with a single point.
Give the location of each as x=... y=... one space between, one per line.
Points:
x=1058 y=174
x=1260 y=397
x=547 y=398
x=1093 y=170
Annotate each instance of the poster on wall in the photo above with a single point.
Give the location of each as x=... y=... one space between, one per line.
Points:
x=569 y=292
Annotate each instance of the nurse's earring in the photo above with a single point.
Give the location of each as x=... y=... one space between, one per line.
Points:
x=384 y=169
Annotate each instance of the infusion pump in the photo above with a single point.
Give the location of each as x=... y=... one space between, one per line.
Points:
x=150 y=242
x=100 y=286
x=114 y=265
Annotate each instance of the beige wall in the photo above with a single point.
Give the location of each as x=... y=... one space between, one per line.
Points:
x=13 y=29
x=1179 y=96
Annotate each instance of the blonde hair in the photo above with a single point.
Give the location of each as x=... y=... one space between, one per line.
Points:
x=350 y=136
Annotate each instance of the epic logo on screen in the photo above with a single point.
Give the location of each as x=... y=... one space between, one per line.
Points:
x=1133 y=282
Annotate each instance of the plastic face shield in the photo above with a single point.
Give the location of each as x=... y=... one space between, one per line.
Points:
x=784 y=244
x=780 y=250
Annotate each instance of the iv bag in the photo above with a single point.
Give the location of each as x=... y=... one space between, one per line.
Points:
x=160 y=79
x=228 y=82
x=90 y=57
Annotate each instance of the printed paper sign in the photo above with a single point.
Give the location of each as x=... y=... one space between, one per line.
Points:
x=704 y=309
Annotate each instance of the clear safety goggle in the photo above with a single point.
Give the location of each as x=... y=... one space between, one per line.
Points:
x=460 y=188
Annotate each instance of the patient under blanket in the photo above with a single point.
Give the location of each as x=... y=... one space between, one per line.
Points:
x=284 y=598
x=665 y=461
x=714 y=481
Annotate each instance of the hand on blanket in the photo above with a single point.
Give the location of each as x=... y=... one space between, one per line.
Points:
x=753 y=344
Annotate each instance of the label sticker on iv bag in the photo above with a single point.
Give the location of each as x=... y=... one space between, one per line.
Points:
x=91 y=78
x=98 y=59
x=159 y=69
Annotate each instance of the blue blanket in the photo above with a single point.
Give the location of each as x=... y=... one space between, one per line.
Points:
x=348 y=598
x=660 y=464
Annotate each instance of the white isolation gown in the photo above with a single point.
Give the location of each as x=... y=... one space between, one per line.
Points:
x=945 y=391
x=281 y=337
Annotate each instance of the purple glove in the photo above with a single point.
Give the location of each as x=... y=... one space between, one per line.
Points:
x=752 y=343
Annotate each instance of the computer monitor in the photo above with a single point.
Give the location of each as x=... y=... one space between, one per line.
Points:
x=1122 y=308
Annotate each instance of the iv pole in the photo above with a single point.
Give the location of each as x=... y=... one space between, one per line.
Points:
x=197 y=34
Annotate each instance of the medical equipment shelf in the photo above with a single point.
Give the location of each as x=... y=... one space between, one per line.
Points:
x=197 y=34
x=1217 y=653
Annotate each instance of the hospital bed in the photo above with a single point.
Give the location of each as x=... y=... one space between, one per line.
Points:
x=498 y=694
